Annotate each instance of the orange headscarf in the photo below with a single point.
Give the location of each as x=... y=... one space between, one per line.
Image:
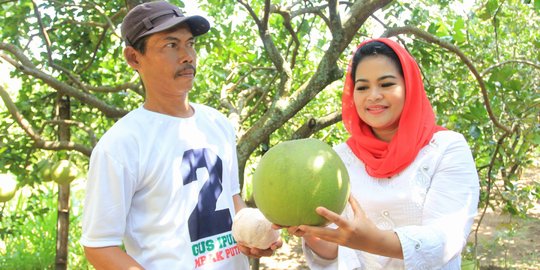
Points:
x=416 y=124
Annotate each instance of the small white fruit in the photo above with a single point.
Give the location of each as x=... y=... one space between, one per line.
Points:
x=252 y=229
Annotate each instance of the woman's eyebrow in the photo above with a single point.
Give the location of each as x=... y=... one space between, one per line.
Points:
x=361 y=80
x=386 y=77
x=379 y=79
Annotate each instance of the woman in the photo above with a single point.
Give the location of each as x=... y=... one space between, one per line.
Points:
x=414 y=186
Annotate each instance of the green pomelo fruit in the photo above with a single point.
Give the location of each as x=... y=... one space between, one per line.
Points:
x=44 y=168
x=295 y=177
x=64 y=172
x=8 y=186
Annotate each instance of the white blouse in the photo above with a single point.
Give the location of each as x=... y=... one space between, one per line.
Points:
x=430 y=205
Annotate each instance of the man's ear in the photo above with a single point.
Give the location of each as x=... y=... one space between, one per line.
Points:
x=132 y=57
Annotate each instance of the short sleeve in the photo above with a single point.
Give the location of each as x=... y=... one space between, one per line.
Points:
x=109 y=189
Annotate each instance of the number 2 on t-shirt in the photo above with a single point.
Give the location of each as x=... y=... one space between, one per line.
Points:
x=205 y=221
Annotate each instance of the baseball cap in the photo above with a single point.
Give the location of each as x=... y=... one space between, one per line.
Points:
x=153 y=17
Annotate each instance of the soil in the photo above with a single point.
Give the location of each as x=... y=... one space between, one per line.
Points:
x=502 y=241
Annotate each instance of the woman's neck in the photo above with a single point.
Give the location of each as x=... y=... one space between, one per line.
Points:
x=385 y=135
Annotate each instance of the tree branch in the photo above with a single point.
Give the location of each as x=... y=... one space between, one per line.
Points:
x=47 y=43
x=117 y=88
x=313 y=125
x=283 y=68
x=285 y=13
x=243 y=95
x=335 y=20
x=109 y=20
x=27 y=67
x=251 y=13
x=313 y=9
x=39 y=142
x=359 y=12
x=326 y=73
x=489 y=185
x=266 y=16
x=450 y=47
x=271 y=49
x=90 y=132
x=489 y=69
x=96 y=49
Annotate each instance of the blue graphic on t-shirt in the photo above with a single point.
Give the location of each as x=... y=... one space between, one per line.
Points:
x=205 y=221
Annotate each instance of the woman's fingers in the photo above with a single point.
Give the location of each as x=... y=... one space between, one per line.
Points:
x=357 y=209
x=323 y=233
x=332 y=217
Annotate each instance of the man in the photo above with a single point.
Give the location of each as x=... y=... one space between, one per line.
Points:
x=163 y=181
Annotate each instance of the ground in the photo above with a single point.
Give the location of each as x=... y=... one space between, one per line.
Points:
x=503 y=241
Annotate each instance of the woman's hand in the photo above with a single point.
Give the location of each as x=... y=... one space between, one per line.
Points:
x=258 y=253
x=358 y=233
x=350 y=233
x=292 y=230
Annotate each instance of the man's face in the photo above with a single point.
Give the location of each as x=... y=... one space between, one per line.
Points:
x=168 y=65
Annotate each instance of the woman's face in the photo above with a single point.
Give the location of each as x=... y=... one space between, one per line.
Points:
x=379 y=95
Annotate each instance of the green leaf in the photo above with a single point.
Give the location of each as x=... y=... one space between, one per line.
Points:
x=474 y=131
x=442 y=30
x=502 y=74
x=536 y=138
x=492 y=6
x=459 y=31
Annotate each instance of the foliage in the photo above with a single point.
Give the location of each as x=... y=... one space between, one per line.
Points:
x=276 y=80
x=27 y=230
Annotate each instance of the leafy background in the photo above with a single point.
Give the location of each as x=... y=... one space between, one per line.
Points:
x=277 y=80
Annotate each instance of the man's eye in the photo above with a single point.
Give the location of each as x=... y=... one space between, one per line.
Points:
x=171 y=45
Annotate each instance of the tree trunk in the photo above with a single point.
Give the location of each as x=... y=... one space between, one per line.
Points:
x=255 y=264
x=62 y=223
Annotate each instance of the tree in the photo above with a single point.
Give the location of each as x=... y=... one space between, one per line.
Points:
x=276 y=69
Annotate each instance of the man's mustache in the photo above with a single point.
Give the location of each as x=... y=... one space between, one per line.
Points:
x=185 y=67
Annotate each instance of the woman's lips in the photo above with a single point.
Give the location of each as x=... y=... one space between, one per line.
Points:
x=376 y=109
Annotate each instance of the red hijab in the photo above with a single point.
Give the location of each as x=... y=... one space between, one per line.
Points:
x=416 y=124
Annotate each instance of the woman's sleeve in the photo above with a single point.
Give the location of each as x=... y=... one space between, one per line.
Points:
x=449 y=209
x=315 y=262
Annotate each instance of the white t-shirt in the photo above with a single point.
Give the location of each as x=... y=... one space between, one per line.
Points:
x=163 y=187
x=431 y=206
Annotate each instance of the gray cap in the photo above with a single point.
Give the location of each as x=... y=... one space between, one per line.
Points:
x=153 y=17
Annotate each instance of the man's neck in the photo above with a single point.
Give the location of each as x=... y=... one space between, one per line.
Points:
x=177 y=107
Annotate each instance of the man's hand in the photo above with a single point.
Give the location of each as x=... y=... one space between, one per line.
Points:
x=258 y=253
